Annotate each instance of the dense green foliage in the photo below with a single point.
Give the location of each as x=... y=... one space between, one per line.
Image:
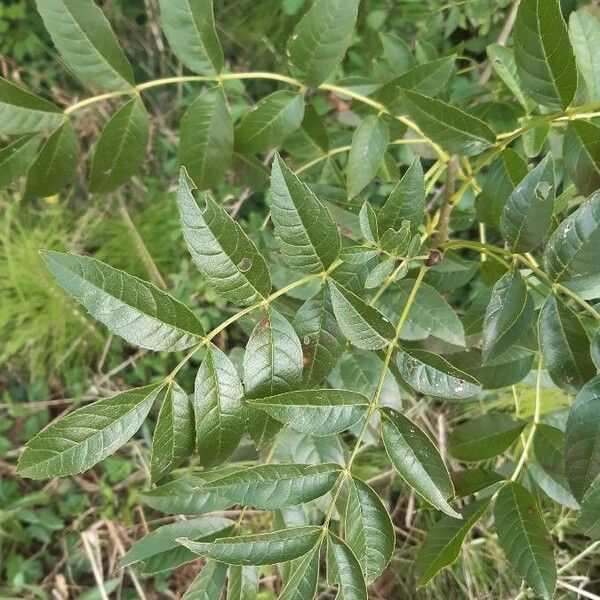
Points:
x=406 y=316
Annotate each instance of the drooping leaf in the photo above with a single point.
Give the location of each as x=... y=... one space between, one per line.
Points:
x=369 y=144
x=571 y=254
x=134 y=309
x=173 y=439
x=432 y=374
x=554 y=489
x=406 y=201
x=322 y=340
x=270 y=122
x=527 y=213
x=582 y=451
x=565 y=345
x=484 y=437
x=344 y=569
x=219 y=408
x=417 y=460
x=369 y=530
x=503 y=62
x=86 y=41
x=86 y=436
x=543 y=53
x=584 y=30
x=321 y=39
x=183 y=496
x=17 y=157
x=508 y=315
x=159 y=550
x=581 y=152
x=308 y=235
x=23 y=112
x=589 y=518
x=189 y=27
x=504 y=175
x=303 y=578
x=276 y=486
x=444 y=540
x=220 y=249
x=430 y=314
x=206 y=138
x=259 y=548
x=208 y=584
x=454 y=130
x=272 y=365
x=524 y=539
x=242 y=583
x=316 y=412
x=55 y=165
x=364 y=326
x=120 y=148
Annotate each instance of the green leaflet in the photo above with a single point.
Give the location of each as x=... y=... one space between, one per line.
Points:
x=173 y=439
x=369 y=530
x=183 y=496
x=524 y=539
x=368 y=222
x=83 y=36
x=508 y=315
x=429 y=79
x=206 y=138
x=582 y=452
x=565 y=345
x=471 y=481
x=503 y=62
x=272 y=364
x=242 y=582
x=584 y=30
x=259 y=548
x=406 y=201
x=506 y=171
x=219 y=409
x=86 y=436
x=23 y=112
x=270 y=122
x=543 y=53
x=571 y=254
x=417 y=460
x=303 y=578
x=159 y=549
x=321 y=39
x=484 y=437
x=308 y=235
x=344 y=569
x=432 y=374
x=220 y=249
x=121 y=147
x=369 y=143
x=589 y=518
x=56 y=164
x=451 y=273
x=208 y=584
x=454 y=130
x=134 y=309
x=276 y=486
x=581 y=151
x=364 y=326
x=527 y=213
x=444 y=540
x=430 y=314
x=17 y=157
x=189 y=27
x=322 y=340
x=316 y=412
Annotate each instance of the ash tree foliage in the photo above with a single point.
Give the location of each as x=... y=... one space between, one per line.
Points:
x=498 y=204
